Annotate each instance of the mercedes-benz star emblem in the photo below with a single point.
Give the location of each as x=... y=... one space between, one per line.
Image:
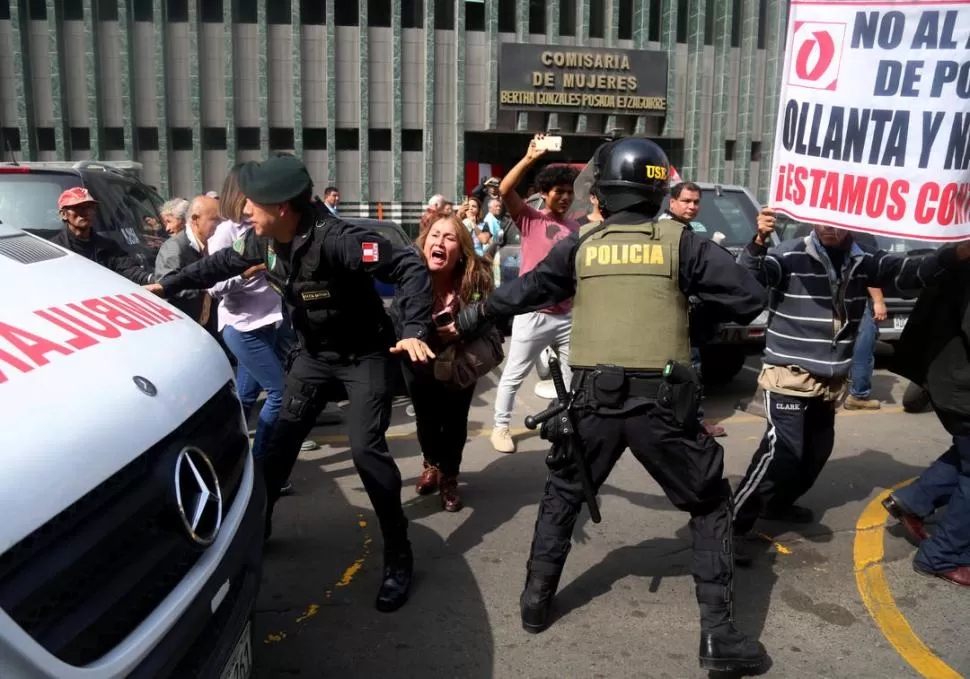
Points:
x=144 y=386
x=198 y=495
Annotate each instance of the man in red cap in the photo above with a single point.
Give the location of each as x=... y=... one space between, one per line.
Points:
x=78 y=210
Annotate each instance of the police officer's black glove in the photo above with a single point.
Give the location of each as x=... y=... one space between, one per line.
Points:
x=470 y=319
x=551 y=429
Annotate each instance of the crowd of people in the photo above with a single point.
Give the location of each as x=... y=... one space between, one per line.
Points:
x=292 y=286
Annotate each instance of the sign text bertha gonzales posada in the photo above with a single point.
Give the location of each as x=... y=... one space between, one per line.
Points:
x=874 y=120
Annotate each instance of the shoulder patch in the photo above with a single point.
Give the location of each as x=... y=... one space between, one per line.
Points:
x=370 y=252
x=239 y=245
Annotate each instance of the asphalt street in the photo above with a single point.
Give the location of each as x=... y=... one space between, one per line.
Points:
x=819 y=597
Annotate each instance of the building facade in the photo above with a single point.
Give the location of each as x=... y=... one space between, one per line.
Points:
x=389 y=100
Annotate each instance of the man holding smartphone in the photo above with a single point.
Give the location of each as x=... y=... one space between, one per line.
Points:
x=541 y=229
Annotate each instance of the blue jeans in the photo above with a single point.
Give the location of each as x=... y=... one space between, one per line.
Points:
x=259 y=368
x=945 y=482
x=863 y=357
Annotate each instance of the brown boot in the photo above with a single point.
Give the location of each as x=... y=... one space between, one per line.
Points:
x=448 y=488
x=428 y=481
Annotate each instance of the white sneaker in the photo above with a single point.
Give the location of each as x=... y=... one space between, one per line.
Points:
x=502 y=440
x=546 y=389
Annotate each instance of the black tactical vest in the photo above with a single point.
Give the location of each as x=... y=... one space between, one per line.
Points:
x=332 y=309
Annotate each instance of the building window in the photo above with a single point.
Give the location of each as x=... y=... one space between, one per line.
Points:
x=107 y=10
x=247 y=138
x=506 y=16
x=45 y=139
x=474 y=16
x=177 y=10
x=73 y=10
x=597 y=19
x=5 y=10
x=9 y=139
x=412 y=140
x=80 y=138
x=147 y=138
x=142 y=10
x=278 y=13
x=214 y=138
x=346 y=13
x=313 y=12
x=315 y=138
x=444 y=15
x=756 y=152
x=113 y=139
x=347 y=139
x=710 y=13
x=537 y=17
x=729 y=151
x=37 y=9
x=244 y=11
x=180 y=138
x=379 y=13
x=735 y=23
x=281 y=138
x=210 y=11
x=682 y=16
x=654 y=32
x=762 y=22
x=625 y=29
x=379 y=139
x=567 y=17
x=412 y=14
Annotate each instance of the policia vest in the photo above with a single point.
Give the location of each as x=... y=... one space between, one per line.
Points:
x=628 y=309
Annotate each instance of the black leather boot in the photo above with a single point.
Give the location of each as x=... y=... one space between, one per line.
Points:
x=725 y=649
x=541 y=582
x=398 y=570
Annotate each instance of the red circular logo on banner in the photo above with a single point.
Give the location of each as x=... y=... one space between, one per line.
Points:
x=816 y=55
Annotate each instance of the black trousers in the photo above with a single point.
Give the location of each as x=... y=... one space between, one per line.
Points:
x=687 y=463
x=441 y=416
x=795 y=447
x=314 y=380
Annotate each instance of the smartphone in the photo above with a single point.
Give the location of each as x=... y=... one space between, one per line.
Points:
x=553 y=143
x=443 y=319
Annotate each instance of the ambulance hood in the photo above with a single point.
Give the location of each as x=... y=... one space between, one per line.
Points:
x=81 y=351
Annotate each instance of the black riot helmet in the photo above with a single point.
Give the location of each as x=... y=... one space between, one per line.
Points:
x=632 y=174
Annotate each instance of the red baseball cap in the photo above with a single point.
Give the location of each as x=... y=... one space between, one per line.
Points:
x=76 y=196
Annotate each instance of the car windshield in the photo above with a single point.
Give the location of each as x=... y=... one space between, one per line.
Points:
x=29 y=200
x=728 y=211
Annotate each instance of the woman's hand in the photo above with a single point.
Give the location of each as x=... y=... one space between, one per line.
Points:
x=418 y=351
x=448 y=333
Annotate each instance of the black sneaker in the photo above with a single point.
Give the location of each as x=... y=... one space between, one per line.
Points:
x=725 y=649
x=398 y=571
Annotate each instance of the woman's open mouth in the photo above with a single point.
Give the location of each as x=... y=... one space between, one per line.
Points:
x=438 y=255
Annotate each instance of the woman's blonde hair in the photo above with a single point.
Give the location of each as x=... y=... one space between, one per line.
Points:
x=232 y=201
x=473 y=272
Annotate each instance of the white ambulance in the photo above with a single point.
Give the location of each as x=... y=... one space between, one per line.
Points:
x=132 y=530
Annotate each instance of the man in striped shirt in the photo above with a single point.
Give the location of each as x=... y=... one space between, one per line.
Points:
x=818 y=293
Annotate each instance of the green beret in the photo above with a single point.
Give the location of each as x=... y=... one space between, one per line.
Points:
x=274 y=181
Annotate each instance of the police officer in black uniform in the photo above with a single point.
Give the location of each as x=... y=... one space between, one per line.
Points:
x=630 y=278
x=325 y=269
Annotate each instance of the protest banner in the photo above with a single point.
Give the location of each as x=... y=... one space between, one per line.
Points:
x=873 y=126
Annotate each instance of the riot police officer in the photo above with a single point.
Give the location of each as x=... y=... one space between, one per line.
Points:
x=630 y=278
x=325 y=268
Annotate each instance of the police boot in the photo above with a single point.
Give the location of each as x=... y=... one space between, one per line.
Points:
x=398 y=570
x=723 y=648
x=541 y=582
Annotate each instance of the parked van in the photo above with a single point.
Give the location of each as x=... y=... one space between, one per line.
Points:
x=132 y=533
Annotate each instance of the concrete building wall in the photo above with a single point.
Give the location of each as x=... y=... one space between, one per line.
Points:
x=376 y=98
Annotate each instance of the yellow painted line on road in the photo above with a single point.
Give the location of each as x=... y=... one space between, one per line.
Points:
x=482 y=433
x=345 y=579
x=874 y=589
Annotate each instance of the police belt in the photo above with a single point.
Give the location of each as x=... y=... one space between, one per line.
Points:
x=638 y=384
